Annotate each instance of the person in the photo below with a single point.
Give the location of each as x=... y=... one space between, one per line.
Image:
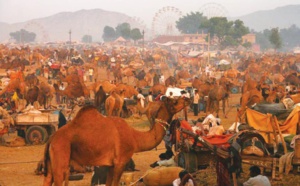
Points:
x=287 y=88
x=165 y=159
x=62 y=88
x=196 y=103
x=256 y=179
x=185 y=179
x=207 y=70
x=171 y=95
x=91 y=72
x=157 y=98
x=150 y=97
x=141 y=97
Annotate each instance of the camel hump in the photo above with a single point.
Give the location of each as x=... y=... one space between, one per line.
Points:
x=84 y=110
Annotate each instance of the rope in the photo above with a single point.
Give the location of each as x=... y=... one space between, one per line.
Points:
x=144 y=175
x=3 y=163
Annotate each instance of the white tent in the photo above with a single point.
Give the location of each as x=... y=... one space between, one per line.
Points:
x=176 y=91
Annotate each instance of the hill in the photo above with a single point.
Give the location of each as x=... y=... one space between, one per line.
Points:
x=92 y=22
x=281 y=17
x=57 y=27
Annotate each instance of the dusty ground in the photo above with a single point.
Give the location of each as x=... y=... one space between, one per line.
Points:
x=17 y=164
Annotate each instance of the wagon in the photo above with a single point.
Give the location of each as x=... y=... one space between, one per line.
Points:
x=256 y=144
x=36 y=127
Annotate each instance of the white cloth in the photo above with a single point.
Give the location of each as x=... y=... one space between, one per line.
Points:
x=258 y=180
x=142 y=99
x=178 y=181
x=150 y=98
x=62 y=87
x=168 y=163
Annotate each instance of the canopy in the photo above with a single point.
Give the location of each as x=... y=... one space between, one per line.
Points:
x=267 y=123
x=176 y=91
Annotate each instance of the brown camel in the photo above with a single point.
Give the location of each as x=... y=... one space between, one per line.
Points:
x=114 y=103
x=149 y=111
x=79 y=141
x=100 y=98
x=215 y=95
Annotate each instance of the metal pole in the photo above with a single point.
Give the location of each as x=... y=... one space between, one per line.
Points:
x=143 y=39
x=208 y=43
x=70 y=33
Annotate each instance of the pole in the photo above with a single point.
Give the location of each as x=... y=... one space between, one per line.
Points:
x=143 y=32
x=208 y=43
x=143 y=39
x=70 y=33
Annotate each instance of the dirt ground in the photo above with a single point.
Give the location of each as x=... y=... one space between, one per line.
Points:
x=17 y=164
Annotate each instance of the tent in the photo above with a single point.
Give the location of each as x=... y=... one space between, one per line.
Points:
x=266 y=124
x=224 y=65
x=176 y=91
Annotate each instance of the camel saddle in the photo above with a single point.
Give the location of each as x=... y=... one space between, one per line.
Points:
x=276 y=109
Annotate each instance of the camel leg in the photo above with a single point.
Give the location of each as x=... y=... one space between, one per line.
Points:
x=223 y=105
x=109 y=178
x=118 y=170
x=48 y=180
x=60 y=158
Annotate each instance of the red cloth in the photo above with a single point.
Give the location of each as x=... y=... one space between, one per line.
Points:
x=55 y=66
x=218 y=140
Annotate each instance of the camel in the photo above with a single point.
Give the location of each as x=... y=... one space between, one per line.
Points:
x=150 y=111
x=114 y=103
x=79 y=141
x=215 y=95
x=76 y=87
x=100 y=98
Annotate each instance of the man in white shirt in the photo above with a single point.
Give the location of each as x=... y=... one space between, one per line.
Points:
x=256 y=178
x=141 y=98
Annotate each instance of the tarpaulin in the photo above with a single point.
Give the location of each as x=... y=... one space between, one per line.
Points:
x=266 y=123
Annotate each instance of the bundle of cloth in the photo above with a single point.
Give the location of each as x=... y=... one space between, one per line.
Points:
x=209 y=126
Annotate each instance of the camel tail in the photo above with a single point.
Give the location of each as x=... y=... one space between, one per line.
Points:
x=46 y=159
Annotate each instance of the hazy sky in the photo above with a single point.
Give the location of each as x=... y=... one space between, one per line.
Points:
x=13 y=11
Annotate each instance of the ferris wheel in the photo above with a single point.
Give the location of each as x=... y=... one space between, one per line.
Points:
x=38 y=29
x=164 y=21
x=136 y=22
x=210 y=10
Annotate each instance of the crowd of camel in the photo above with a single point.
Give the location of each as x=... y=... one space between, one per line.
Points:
x=260 y=78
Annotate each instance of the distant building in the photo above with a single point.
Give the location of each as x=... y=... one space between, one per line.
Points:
x=191 y=38
x=251 y=38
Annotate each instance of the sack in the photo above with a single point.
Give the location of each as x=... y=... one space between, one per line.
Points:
x=254 y=148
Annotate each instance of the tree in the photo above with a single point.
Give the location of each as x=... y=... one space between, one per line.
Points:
x=109 y=34
x=190 y=23
x=275 y=39
x=290 y=37
x=123 y=30
x=135 y=34
x=87 y=39
x=262 y=38
x=23 y=36
x=228 y=33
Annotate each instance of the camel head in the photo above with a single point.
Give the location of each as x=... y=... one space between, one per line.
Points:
x=175 y=105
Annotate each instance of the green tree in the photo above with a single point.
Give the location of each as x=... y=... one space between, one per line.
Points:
x=290 y=37
x=87 y=39
x=109 y=34
x=135 y=34
x=190 y=23
x=228 y=33
x=123 y=30
x=247 y=45
x=275 y=39
x=23 y=36
x=262 y=38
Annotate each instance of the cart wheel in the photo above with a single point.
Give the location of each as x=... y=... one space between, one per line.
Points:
x=36 y=135
x=188 y=161
x=234 y=90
